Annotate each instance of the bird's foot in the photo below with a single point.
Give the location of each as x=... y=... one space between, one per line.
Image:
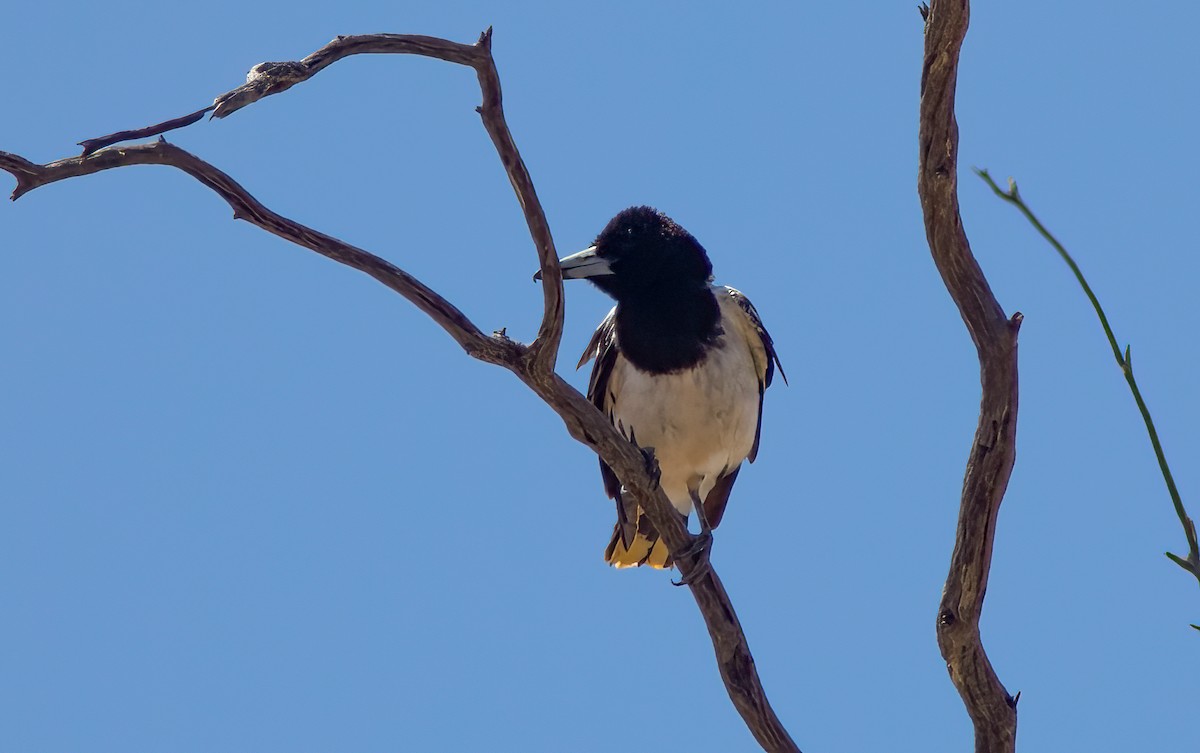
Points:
x=652 y=469
x=698 y=552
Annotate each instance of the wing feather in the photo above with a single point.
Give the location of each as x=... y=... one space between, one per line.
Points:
x=714 y=503
x=766 y=361
x=603 y=348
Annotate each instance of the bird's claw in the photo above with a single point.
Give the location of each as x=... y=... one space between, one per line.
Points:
x=652 y=469
x=700 y=548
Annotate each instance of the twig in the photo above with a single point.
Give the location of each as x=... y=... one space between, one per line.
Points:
x=992 y=710
x=533 y=364
x=93 y=145
x=1012 y=196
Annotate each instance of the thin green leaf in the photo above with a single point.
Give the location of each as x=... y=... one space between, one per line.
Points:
x=1192 y=562
x=1179 y=561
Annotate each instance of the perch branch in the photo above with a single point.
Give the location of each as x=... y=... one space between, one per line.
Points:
x=533 y=364
x=993 y=452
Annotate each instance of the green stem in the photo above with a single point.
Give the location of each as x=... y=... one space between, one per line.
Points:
x=1192 y=562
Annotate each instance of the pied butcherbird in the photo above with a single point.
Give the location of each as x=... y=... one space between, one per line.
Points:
x=681 y=366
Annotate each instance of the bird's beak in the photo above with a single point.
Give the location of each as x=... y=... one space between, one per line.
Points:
x=586 y=263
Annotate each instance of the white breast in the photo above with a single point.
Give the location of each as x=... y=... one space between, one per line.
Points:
x=702 y=421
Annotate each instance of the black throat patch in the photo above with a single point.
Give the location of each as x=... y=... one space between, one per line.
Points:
x=668 y=330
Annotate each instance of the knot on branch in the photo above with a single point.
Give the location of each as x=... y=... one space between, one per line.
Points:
x=263 y=80
x=278 y=72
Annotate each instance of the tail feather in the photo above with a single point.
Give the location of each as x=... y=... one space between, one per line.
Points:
x=637 y=543
x=642 y=550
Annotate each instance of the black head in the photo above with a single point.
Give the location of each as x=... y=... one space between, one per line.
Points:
x=666 y=315
x=641 y=252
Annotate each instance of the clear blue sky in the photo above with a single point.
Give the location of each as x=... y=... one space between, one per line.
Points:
x=254 y=501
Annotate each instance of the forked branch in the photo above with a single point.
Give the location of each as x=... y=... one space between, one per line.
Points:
x=533 y=364
x=992 y=710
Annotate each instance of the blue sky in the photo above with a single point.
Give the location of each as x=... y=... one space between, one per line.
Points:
x=254 y=501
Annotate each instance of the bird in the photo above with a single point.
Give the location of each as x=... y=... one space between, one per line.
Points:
x=680 y=369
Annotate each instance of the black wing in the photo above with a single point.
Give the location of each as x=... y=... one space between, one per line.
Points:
x=603 y=348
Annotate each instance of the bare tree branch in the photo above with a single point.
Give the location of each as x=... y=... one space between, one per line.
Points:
x=533 y=364
x=246 y=207
x=993 y=452
x=266 y=79
x=93 y=145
